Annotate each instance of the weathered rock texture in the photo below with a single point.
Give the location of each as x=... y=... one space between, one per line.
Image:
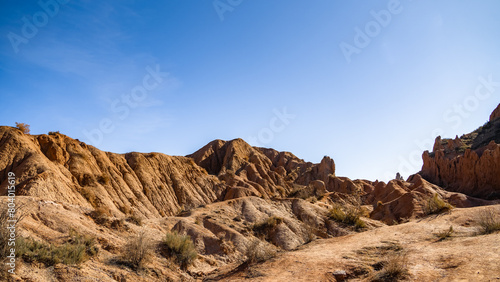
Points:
x=469 y=164
x=58 y=168
x=495 y=114
x=252 y=171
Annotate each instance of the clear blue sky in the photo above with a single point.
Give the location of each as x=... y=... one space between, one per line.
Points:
x=229 y=69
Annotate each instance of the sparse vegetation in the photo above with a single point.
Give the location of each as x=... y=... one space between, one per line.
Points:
x=89 y=195
x=387 y=262
x=394 y=268
x=53 y=132
x=25 y=128
x=443 y=235
x=137 y=250
x=180 y=247
x=75 y=251
x=348 y=216
x=4 y=232
x=258 y=251
x=100 y=215
x=103 y=179
x=135 y=219
x=436 y=205
x=263 y=228
x=488 y=221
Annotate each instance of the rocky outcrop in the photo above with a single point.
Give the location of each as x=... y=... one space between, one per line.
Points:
x=495 y=114
x=58 y=168
x=400 y=200
x=469 y=164
x=261 y=172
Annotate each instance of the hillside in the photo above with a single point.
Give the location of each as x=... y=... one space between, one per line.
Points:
x=240 y=206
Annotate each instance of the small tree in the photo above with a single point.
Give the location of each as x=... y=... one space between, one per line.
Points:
x=25 y=128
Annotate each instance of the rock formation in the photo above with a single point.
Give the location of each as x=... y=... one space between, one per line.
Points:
x=469 y=164
x=495 y=114
x=59 y=168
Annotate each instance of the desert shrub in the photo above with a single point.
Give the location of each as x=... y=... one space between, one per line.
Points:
x=25 y=128
x=100 y=215
x=263 y=228
x=4 y=232
x=75 y=251
x=135 y=220
x=180 y=247
x=137 y=250
x=258 y=251
x=53 y=132
x=436 y=205
x=394 y=268
x=89 y=195
x=443 y=235
x=103 y=179
x=348 y=216
x=4 y=223
x=489 y=222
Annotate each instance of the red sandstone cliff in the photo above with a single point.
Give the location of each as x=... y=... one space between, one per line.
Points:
x=469 y=164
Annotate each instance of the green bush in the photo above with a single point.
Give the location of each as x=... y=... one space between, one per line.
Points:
x=348 y=216
x=75 y=251
x=180 y=247
x=436 y=205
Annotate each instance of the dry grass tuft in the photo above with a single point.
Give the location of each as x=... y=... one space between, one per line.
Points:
x=394 y=268
x=436 y=205
x=489 y=221
x=138 y=250
x=443 y=235
x=258 y=251
x=348 y=216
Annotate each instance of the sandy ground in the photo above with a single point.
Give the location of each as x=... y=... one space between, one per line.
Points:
x=465 y=256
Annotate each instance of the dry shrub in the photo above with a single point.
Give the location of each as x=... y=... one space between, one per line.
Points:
x=89 y=195
x=180 y=247
x=394 y=268
x=263 y=228
x=100 y=215
x=25 y=128
x=258 y=251
x=436 y=205
x=135 y=219
x=347 y=215
x=138 y=250
x=443 y=235
x=489 y=221
x=103 y=179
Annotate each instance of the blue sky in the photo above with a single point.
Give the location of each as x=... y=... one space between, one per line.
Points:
x=171 y=76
